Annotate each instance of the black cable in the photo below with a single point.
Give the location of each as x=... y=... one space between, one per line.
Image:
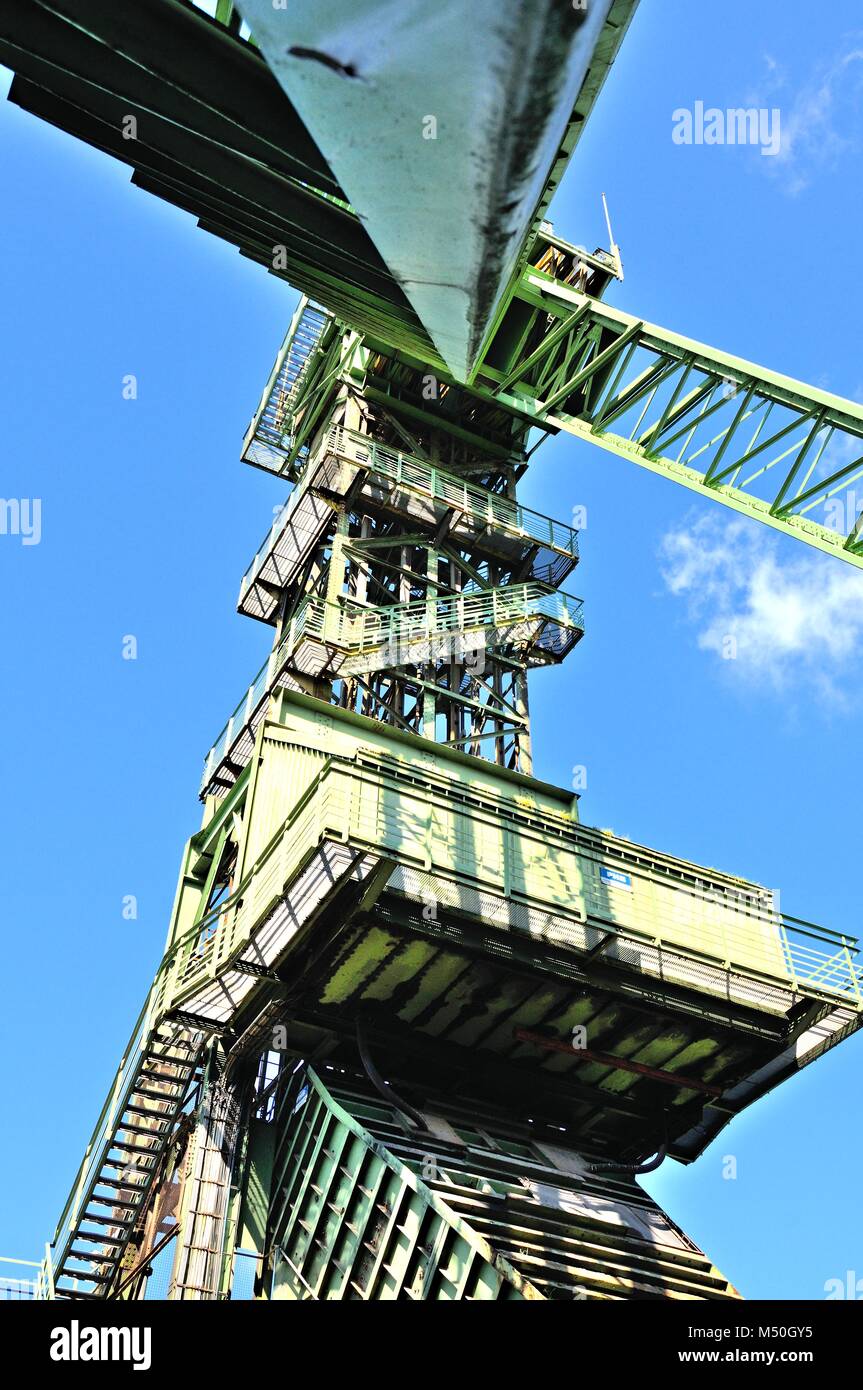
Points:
x=636 y=1169
x=380 y=1085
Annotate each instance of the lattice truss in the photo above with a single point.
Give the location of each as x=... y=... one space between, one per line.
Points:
x=788 y=454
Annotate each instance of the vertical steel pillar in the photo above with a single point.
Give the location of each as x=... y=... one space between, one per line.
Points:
x=198 y=1261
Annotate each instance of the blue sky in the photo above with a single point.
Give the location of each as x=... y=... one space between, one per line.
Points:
x=149 y=520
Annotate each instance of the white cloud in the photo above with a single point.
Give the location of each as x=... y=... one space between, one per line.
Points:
x=820 y=121
x=780 y=623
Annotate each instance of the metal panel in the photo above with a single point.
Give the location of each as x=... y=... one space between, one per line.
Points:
x=425 y=92
x=366 y=1206
x=256 y=1194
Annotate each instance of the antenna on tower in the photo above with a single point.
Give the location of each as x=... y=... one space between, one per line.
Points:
x=612 y=244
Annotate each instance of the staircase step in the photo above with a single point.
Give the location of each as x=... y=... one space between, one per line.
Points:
x=149 y=1151
x=104 y=1220
x=66 y=1272
x=132 y=1109
x=97 y=1239
x=176 y=1059
x=129 y=1179
x=109 y=1259
x=127 y=1184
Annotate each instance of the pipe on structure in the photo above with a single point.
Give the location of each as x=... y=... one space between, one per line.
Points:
x=634 y=1169
x=378 y=1082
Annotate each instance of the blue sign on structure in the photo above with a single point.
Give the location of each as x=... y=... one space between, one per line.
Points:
x=614 y=878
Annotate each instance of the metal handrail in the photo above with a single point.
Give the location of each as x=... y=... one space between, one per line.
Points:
x=33 y=1285
x=307 y=823
x=358 y=629
x=237 y=721
x=301 y=339
x=424 y=479
x=280 y=524
x=438 y=483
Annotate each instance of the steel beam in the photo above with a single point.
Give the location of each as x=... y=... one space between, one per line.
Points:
x=407 y=100
x=775 y=449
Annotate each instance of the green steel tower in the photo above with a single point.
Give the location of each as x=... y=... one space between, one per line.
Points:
x=418 y=1029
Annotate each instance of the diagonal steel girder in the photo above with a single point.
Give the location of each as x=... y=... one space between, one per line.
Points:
x=448 y=126
x=775 y=449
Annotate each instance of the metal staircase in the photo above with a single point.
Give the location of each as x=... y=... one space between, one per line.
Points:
x=409 y=487
x=123 y=1160
x=265 y=444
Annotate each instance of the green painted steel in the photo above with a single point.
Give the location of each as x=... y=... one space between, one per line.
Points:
x=431 y=96
x=376 y=859
x=216 y=137
x=258 y=1174
x=329 y=776
x=779 y=451
x=366 y=1205
x=219 y=139
x=686 y=411
x=487 y=510
x=491 y=831
x=352 y=1221
x=267 y=443
x=412 y=487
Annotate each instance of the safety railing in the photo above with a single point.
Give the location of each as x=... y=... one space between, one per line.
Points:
x=264 y=444
x=396 y=629
x=505 y=607
x=207 y=946
x=817 y=956
x=20 y=1280
x=286 y=515
x=483 y=507
x=239 y=721
x=379 y=809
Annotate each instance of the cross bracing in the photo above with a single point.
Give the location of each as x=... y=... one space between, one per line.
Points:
x=411 y=488
x=772 y=448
